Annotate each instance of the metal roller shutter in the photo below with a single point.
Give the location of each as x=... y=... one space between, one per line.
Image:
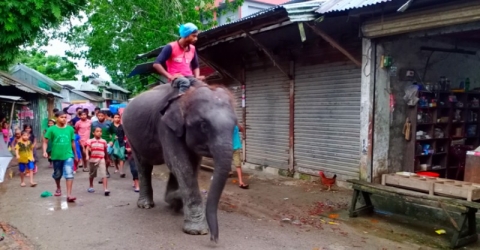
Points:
x=327 y=119
x=267 y=93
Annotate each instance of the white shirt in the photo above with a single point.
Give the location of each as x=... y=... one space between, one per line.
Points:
x=94 y=118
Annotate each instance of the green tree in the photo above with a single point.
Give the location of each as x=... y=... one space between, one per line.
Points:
x=56 y=67
x=118 y=30
x=23 y=21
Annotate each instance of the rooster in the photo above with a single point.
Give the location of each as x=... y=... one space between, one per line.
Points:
x=329 y=182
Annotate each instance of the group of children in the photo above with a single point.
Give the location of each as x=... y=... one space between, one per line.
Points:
x=77 y=143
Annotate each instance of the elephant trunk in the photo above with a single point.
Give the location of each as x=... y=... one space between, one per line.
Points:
x=222 y=156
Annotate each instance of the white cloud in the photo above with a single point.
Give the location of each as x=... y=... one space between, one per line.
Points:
x=58 y=48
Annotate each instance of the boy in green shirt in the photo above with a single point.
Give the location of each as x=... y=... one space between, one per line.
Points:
x=62 y=153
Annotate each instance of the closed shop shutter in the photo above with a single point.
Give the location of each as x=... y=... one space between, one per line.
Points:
x=267 y=101
x=327 y=119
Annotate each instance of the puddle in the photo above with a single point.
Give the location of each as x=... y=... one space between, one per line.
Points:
x=60 y=205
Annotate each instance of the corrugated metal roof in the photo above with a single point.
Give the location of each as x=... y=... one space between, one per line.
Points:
x=298 y=11
x=87 y=96
x=39 y=76
x=342 y=5
x=10 y=80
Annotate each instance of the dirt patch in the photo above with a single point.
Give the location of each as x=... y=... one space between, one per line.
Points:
x=12 y=239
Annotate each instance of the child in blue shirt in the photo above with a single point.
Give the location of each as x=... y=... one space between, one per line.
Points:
x=79 y=152
x=237 y=154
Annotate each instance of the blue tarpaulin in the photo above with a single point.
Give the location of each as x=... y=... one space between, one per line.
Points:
x=114 y=107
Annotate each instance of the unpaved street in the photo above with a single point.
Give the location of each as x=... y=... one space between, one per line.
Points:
x=115 y=222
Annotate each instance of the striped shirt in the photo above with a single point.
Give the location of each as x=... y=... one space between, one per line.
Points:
x=98 y=148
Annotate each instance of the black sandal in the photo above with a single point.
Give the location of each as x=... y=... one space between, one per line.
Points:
x=244 y=186
x=122 y=176
x=107 y=193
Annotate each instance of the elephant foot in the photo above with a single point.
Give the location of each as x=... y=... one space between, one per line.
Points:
x=146 y=203
x=175 y=201
x=195 y=228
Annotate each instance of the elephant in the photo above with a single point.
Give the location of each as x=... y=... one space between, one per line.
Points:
x=178 y=130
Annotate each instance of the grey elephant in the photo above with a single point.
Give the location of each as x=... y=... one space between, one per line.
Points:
x=178 y=131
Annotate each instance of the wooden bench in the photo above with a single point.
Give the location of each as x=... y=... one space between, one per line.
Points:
x=465 y=229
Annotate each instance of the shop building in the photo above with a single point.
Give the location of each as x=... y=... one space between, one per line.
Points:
x=297 y=81
x=432 y=46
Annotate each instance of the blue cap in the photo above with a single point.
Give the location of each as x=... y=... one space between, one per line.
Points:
x=187 y=29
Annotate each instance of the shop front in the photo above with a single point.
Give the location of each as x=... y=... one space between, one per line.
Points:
x=427 y=88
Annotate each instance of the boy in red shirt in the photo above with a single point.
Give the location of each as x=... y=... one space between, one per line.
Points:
x=96 y=157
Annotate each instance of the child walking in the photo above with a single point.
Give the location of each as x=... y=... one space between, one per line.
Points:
x=96 y=157
x=24 y=152
x=119 y=137
x=33 y=140
x=78 y=149
x=6 y=132
x=133 y=166
x=63 y=153
x=51 y=122
x=237 y=152
x=83 y=127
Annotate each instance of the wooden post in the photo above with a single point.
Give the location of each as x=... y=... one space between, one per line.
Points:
x=335 y=44
x=291 y=129
x=244 y=114
x=267 y=52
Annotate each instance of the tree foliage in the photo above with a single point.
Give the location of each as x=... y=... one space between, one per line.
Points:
x=118 y=30
x=23 y=21
x=56 y=67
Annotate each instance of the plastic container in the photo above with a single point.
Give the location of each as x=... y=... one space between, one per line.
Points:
x=429 y=174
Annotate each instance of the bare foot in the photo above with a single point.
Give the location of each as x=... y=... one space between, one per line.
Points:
x=23 y=184
x=33 y=184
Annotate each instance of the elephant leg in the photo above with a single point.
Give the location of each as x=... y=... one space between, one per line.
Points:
x=182 y=163
x=172 y=195
x=145 y=200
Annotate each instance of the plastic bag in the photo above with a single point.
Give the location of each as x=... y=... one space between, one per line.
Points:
x=411 y=95
x=118 y=152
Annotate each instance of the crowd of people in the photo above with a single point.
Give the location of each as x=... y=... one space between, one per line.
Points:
x=92 y=143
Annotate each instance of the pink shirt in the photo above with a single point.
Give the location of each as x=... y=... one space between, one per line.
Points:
x=83 y=128
x=180 y=60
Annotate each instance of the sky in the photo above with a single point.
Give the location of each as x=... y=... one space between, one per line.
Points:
x=57 y=48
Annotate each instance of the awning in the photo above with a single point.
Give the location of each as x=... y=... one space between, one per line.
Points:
x=7 y=79
x=422 y=19
x=11 y=98
x=342 y=5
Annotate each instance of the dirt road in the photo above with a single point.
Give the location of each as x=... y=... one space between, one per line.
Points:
x=115 y=222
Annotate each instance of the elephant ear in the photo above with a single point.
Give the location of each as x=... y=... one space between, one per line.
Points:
x=173 y=118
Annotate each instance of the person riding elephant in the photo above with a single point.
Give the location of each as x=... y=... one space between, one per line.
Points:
x=198 y=124
x=181 y=59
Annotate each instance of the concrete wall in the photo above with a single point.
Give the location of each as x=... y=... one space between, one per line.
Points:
x=66 y=95
x=248 y=8
x=406 y=54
